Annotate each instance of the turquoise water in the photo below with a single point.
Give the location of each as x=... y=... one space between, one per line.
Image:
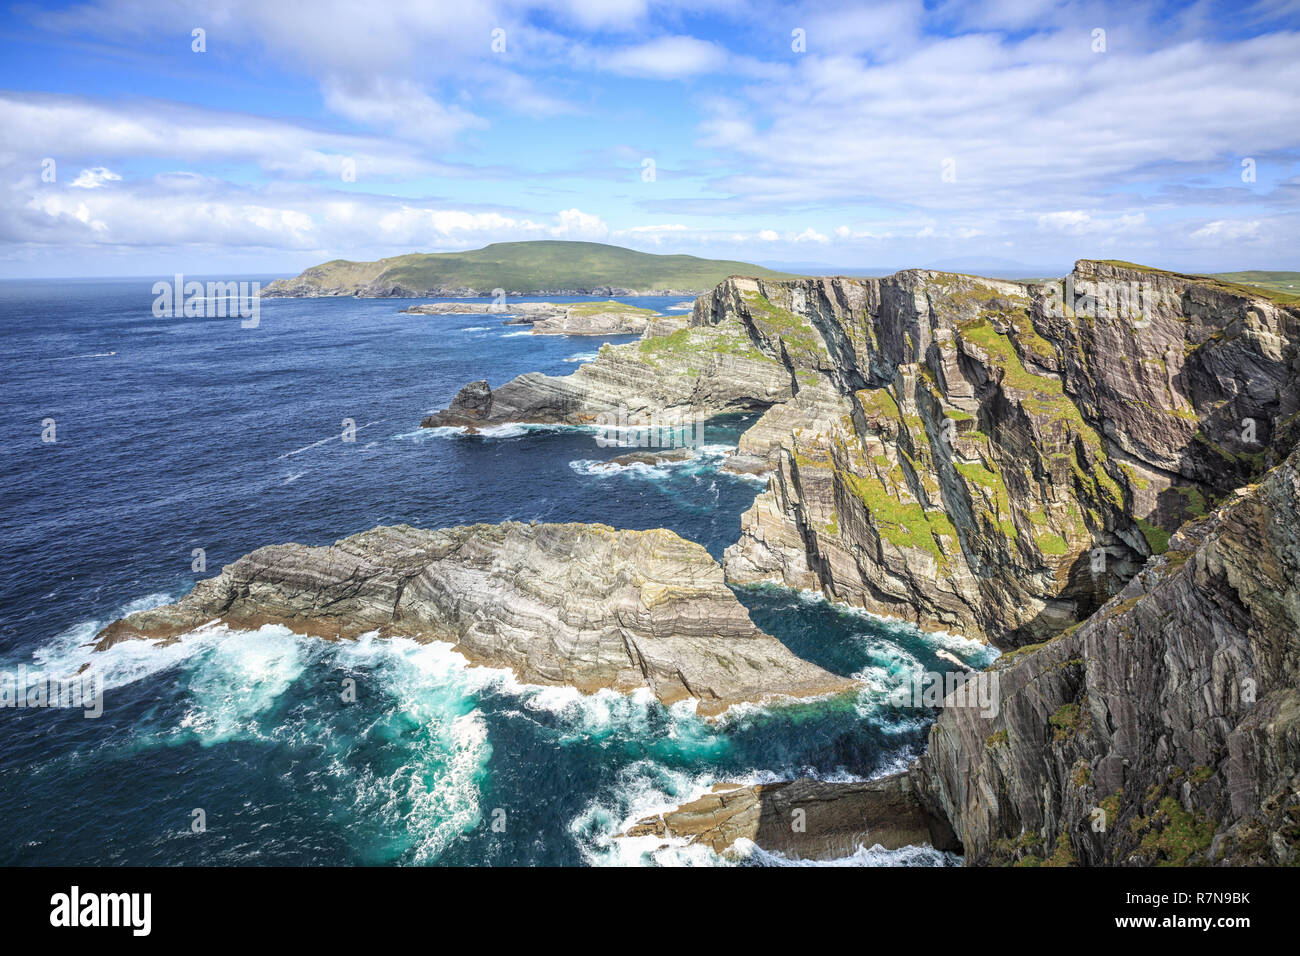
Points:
x=175 y=434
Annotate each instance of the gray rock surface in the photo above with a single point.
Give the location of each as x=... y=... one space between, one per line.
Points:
x=552 y=318
x=805 y=819
x=576 y=604
x=673 y=371
x=1164 y=729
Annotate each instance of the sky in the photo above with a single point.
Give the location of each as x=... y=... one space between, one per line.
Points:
x=143 y=137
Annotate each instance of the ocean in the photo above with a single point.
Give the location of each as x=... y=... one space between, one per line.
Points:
x=179 y=434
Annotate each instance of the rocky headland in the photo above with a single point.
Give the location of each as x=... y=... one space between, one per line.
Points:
x=1094 y=470
x=571 y=604
x=552 y=318
x=673 y=370
x=964 y=453
x=530 y=268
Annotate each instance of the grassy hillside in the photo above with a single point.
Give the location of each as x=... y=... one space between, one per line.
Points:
x=541 y=266
x=1284 y=283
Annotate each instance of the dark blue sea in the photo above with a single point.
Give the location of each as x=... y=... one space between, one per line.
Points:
x=176 y=434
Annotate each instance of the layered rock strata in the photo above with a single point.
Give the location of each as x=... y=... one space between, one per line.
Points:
x=976 y=457
x=988 y=457
x=672 y=372
x=550 y=318
x=1163 y=730
x=804 y=819
x=575 y=604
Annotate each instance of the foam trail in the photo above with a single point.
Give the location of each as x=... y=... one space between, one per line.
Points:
x=68 y=358
x=323 y=441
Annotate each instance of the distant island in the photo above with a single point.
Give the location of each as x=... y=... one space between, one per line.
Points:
x=541 y=267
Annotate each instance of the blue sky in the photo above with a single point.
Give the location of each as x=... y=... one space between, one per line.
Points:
x=859 y=136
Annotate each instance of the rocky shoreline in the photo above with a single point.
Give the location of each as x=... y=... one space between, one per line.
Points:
x=302 y=287
x=552 y=318
x=804 y=819
x=1014 y=462
x=570 y=604
x=1098 y=475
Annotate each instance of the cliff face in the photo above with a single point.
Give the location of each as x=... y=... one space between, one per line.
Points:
x=1096 y=468
x=996 y=458
x=575 y=604
x=1165 y=729
x=672 y=370
x=987 y=457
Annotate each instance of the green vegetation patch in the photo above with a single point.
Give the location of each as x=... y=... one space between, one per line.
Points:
x=1157 y=537
x=1173 y=835
x=1065 y=722
x=692 y=343
x=548 y=266
x=1050 y=543
x=596 y=308
x=800 y=338
x=905 y=525
x=1267 y=285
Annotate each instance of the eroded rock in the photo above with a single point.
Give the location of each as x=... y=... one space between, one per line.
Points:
x=576 y=604
x=805 y=819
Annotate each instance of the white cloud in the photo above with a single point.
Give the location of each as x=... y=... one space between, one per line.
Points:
x=809 y=235
x=95 y=178
x=1037 y=125
x=666 y=58
x=397 y=105
x=78 y=127
x=576 y=224
x=1228 y=230
x=1080 y=222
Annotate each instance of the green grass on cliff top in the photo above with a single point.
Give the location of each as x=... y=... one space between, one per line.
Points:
x=542 y=266
x=1280 y=287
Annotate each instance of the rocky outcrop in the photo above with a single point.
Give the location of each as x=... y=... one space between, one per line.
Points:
x=804 y=819
x=596 y=318
x=575 y=604
x=518 y=313
x=672 y=372
x=551 y=318
x=1163 y=730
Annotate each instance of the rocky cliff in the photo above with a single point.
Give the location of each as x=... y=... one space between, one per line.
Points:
x=673 y=370
x=988 y=457
x=995 y=458
x=575 y=604
x=1097 y=466
x=1163 y=730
